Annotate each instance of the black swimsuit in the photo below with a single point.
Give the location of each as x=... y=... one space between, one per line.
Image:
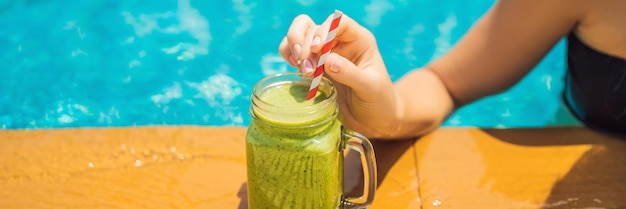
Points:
x=595 y=88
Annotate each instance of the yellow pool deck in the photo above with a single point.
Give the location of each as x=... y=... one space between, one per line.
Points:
x=204 y=167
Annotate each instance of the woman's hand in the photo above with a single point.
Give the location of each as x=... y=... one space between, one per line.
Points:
x=366 y=96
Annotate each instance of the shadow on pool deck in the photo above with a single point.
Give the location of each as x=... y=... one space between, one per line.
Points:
x=596 y=180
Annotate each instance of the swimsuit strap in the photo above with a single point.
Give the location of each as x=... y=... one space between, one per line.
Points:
x=595 y=87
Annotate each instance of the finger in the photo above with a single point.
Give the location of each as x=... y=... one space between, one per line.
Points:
x=308 y=60
x=306 y=45
x=345 y=72
x=348 y=30
x=297 y=34
x=285 y=52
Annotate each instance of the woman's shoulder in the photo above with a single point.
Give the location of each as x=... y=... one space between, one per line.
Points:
x=602 y=26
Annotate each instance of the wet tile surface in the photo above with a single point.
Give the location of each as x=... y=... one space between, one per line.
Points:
x=157 y=167
x=521 y=168
x=122 y=168
x=204 y=167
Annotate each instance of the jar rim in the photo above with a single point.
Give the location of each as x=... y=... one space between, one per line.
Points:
x=330 y=98
x=296 y=115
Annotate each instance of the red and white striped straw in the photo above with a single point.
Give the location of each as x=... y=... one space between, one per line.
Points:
x=319 y=70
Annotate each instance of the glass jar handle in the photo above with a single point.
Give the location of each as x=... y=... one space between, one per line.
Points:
x=361 y=144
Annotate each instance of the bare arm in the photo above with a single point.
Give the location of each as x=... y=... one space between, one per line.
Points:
x=494 y=54
x=504 y=45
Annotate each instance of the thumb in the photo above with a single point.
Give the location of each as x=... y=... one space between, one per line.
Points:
x=345 y=72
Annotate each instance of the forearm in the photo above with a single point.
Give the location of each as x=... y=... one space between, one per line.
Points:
x=423 y=103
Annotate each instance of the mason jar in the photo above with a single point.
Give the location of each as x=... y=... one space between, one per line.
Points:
x=295 y=148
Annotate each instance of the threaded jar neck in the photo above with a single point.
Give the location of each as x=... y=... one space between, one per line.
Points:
x=280 y=100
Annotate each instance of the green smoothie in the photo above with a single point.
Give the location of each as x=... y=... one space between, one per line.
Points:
x=293 y=162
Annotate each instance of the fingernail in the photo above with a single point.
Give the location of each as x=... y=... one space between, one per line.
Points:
x=296 y=51
x=307 y=67
x=316 y=41
x=335 y=66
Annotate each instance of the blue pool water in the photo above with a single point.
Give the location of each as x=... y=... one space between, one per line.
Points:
x=69 y=63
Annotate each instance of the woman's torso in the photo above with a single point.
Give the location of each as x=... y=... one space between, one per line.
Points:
x=595 y=87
